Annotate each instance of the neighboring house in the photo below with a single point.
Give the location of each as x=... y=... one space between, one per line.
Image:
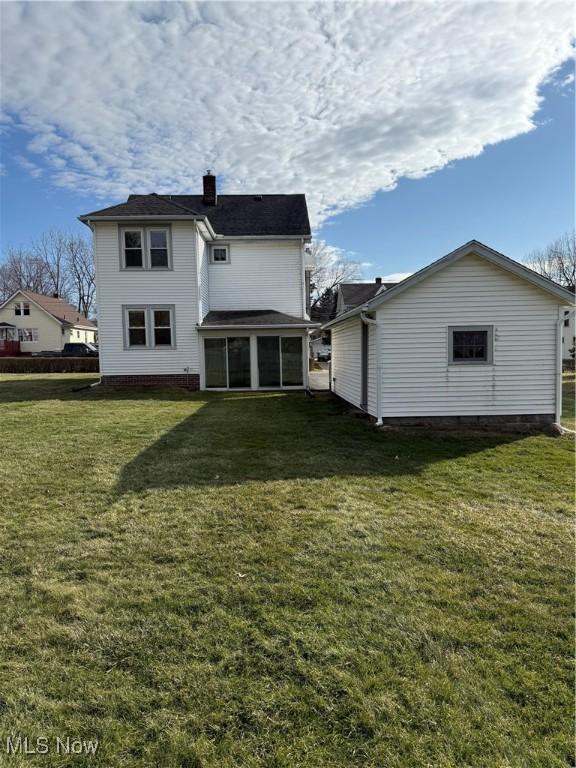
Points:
x=207 y=291
x=320 y=344
x=43 y=323
x=568 y=334
x=350 y=295
x=475 y=335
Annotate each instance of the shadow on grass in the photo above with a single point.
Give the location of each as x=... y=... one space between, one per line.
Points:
x=239 y=438
x=77 y=387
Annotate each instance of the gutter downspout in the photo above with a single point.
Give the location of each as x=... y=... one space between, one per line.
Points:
x=376 y=324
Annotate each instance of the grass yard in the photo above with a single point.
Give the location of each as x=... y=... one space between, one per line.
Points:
x=262 y=580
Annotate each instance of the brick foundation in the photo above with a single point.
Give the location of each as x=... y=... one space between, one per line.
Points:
x=522 y=422
x=189 y=381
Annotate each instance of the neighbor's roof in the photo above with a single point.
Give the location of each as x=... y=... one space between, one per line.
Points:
x=239 y=215
x=358 y=293
x=59 y=309
x=473 y=247
x=253 y=317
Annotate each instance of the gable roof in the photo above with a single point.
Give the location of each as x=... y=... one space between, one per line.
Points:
x=358 y=293
x=473 y=247
x=233 y=215
x=58 y=308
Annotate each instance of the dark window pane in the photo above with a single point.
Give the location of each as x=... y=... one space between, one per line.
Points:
x=215 y=362
x=133 y=257
x=470 y=345
x=291 y=361
x=238 y=362
x=16 y=309
x=136 y=318
x=269 y=361
x=132 y=240
x=158 y=240
x=162 y=336
x=26 y=309
x=162 y=318
x=219 y=254
x=137 y=337
x=158 y=257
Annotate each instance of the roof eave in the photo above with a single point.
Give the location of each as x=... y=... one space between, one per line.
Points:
x=260 y=326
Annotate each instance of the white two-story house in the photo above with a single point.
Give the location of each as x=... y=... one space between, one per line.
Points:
x=206 y=291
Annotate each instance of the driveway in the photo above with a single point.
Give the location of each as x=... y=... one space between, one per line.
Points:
x=320 y=379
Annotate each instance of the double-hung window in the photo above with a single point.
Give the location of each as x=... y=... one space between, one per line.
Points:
x=149 y=327
x=27 y=334
x=470 y=344
x=145 y=247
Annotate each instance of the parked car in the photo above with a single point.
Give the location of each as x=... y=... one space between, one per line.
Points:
x=79 y=350
x=324 y=356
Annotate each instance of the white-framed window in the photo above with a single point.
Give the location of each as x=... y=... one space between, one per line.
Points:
x=470 y=344
x=220 y=254
x=158 y=248
x=149 y=326
x=132 y=248
x=21 y=308
x=145 y=247
x=27 y=334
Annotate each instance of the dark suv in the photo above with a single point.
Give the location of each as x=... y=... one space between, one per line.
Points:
x=79 y=350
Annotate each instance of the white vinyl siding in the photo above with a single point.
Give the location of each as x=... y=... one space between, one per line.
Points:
x=260 y=275
x=176 y=287
x=346 y=360
x=417 y=379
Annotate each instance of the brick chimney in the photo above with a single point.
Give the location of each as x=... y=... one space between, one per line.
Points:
x=378 y=281
x=209 y=182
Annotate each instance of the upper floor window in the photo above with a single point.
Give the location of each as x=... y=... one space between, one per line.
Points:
x=220 y=254
x=147 y=248
x=470 y=344
x=21 y=308
x=149 y=326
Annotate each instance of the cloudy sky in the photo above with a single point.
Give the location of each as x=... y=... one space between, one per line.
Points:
x=410 y=126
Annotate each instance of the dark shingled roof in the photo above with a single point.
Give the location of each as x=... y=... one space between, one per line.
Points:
x=232 y=215
x=354 y=294
x=252 y=317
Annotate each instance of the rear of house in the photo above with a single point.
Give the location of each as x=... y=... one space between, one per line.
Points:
x=206 y=291
x=474 y=337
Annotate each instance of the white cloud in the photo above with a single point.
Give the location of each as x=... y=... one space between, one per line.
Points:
x=339 y=101
x=34 y=170
x=396 y=277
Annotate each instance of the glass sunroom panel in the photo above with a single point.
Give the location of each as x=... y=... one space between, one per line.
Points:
x=238 y=361
x=215 y=362
x=291 y=361
x=269 y=361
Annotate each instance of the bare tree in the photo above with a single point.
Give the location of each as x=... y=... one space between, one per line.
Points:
x=556 y=260
x=51 y=249
x=80 y=265
x=330 y=266
x=56 y=263
x=21 y=269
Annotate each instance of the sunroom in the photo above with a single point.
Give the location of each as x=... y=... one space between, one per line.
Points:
x=253 y=349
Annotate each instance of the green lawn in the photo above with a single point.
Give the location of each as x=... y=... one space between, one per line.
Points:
x=262 y=580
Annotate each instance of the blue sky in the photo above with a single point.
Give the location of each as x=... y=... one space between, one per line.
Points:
x=377 y=96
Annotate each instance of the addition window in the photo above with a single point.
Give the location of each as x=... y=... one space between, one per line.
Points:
x=567 y=318
x=470 y=344
x=220 y=254
x=280 y=361
x=21 y=308
x=227 y=362
x=146 y=248
x=149 y=326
